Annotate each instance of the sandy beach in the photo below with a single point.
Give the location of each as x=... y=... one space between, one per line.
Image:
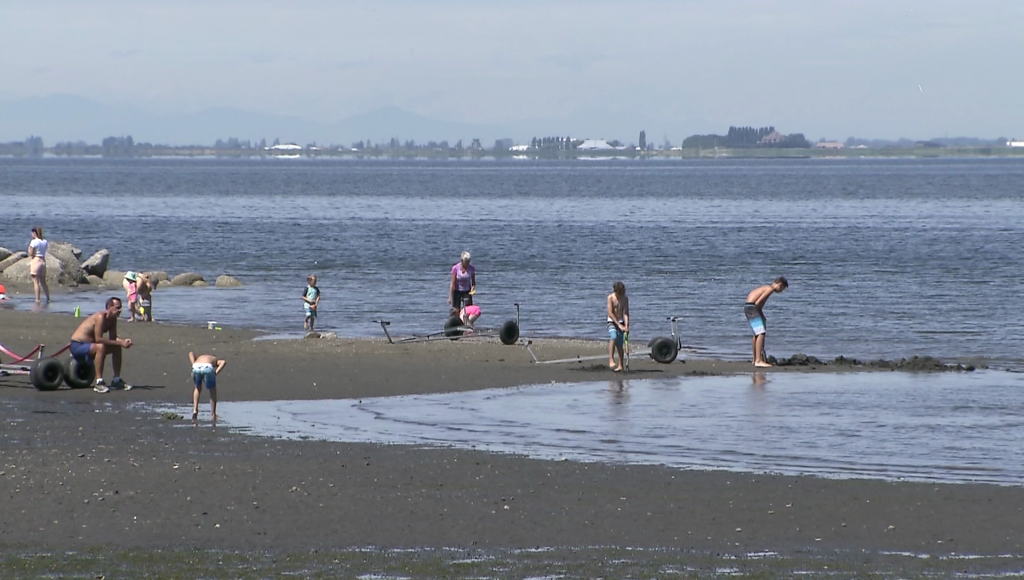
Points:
x=91 y=473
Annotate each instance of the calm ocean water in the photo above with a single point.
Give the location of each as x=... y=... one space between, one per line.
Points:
x=886 y=258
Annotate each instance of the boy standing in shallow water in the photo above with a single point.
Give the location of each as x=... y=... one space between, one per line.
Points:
x=205 y=369
x=755 y=316
x=618 y=324
x=311 y=299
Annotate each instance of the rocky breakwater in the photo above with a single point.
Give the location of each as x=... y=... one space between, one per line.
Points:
x=914 y=363
x=197 y=280
x=64 y=268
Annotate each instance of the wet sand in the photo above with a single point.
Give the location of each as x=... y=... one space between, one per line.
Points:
x=81 y=470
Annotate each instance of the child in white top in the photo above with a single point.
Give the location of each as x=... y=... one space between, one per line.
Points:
x=37 y=269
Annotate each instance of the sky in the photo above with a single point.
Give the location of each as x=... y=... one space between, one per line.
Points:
x=828 y=69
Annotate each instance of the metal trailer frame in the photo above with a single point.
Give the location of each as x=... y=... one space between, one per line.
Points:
x=47 y=373
x=19 y=368
x=647 y=351
x=446 y=334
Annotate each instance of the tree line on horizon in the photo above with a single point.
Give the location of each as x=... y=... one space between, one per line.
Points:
x=735 y=137
x=744 y=137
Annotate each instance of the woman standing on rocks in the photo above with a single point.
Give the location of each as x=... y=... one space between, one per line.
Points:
x=37 y=267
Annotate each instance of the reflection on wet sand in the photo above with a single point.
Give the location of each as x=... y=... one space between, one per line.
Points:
x=619 y=390
x=932 y=427
x=760 y=381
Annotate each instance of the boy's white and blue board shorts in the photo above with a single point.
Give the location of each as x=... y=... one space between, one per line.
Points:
x=755 y=318
x=204 y=372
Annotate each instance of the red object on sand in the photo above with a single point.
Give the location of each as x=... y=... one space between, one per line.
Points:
x=18 y=359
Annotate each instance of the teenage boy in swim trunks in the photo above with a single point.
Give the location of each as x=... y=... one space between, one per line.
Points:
x=755 y=316
x=88 y=344
x=618 y=323
x=205 y=369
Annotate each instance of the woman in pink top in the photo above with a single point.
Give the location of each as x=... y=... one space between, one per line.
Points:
x=463 y=284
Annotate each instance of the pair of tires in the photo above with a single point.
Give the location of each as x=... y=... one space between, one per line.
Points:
x=664 y=350
x=508 y=333
x=47 y=374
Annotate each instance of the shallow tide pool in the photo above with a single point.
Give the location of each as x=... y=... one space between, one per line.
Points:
x=950 y=427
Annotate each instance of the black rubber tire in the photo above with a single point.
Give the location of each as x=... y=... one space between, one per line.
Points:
x=664 y=350
x=453 y=327
x=509 y=332
x=650 y=343
x=79 y=374
x=46 y=374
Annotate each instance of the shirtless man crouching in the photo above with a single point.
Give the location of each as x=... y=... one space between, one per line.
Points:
x=88 y=344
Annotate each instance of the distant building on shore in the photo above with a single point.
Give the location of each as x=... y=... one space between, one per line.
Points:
x=1014 y=143
x=595 y=145
x=773 y=138
x=829 y=145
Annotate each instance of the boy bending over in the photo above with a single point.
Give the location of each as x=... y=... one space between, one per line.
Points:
x=205 y=369
x=755 y=316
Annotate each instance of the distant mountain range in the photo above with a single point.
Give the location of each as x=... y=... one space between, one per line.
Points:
x=938 y=141
x=59 y=118
x=64 y=118
x=68 y=118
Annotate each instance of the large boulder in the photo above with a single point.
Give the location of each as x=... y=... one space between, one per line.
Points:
x=21 y=270
x=200 y=284
x=12 y=259
x=72 y=273
x=95 y=281
x=96 y=265
x=64 y=251
x=225 y=281
x=5 y=253
x=113 y=278
x=186 y=279
x=157 y=276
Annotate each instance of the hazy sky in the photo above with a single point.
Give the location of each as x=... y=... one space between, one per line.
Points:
x=832 y=69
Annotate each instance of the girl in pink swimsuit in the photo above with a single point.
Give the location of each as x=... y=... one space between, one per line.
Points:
x=133 y=301
x=469 y=314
